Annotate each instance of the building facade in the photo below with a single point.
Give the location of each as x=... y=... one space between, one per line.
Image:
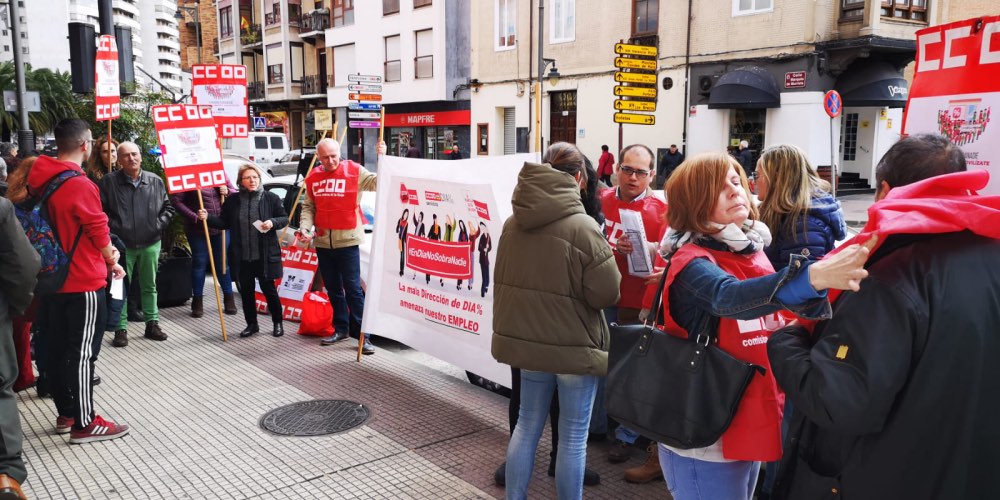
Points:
x=195 y=50
x=161 y=46
x=43 y=34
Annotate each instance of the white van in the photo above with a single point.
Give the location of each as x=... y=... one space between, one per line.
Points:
x=263 y=148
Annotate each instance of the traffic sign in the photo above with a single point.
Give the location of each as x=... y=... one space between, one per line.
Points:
x=358 y=87
x=364 y=78
x=364 y=115
x=634 y=118
x=259 y=123
x=357 y=124
x=622 y=62
x=364 y=97
x=635 y=105
x=364 y=106
x=635 y=78
x=832 y=104
x=635 y=50
x=649 y=92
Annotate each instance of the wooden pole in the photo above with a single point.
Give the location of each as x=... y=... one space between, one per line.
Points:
x=302 y=188
x=222 y=233
x=110 y=146
x=211 y=262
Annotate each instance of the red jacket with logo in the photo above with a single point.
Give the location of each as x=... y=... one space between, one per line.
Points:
x=755 y=432
x=654 y=219
x=75 y=205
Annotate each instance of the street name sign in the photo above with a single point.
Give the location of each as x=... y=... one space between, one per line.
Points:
x=646 y=64
x=364 y=115
x=364 y=97
x=361 y=124
x=649 y=92
x=635 y=105
x=358 y=87
x=364 y=78
x=635 y=50
x=364 y=106
x=635 y=119
x=635 y=78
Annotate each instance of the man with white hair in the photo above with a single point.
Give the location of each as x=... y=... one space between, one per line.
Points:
x=745 y=157
x=331 y=216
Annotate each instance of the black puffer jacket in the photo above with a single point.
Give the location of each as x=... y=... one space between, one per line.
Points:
x=900 y=395
x=137 y=214
x=270 y=209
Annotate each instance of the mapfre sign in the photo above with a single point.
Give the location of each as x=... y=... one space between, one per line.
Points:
x=191 y=155
x=107 y=97
x=224 y=88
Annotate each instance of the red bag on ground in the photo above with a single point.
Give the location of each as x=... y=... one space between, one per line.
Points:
x=317 y=315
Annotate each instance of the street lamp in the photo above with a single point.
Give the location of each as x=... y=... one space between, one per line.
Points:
x=193 y=12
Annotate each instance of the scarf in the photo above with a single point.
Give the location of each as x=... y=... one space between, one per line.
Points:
x=747 y=239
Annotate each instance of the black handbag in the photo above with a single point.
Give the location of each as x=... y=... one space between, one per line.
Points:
x=680 y=392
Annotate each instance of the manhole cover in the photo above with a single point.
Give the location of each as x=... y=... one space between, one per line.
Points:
x=315 y=418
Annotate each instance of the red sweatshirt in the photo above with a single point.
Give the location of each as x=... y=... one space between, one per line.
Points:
x=75 y=205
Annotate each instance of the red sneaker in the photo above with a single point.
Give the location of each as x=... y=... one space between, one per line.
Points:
x=98 y=430
x=64 y=424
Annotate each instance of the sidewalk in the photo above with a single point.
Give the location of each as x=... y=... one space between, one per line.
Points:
x=194 y=404
x=855 y=208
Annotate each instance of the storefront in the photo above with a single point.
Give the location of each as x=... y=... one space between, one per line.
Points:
x=433 y=133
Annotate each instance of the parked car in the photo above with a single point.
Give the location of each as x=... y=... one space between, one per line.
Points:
x=292 y=162
x=263 y=148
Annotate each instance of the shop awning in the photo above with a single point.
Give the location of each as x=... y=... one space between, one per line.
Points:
x=872 y=83
x=749 y=87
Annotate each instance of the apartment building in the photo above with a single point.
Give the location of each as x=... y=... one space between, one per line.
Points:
x=579 y=36
x=43 y=33
x=421 y=50
x=161 y=46
x=197 y=18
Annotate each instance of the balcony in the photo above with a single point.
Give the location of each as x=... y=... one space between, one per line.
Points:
x=251 y=38
x=313 y=24
x=255 y=91
x=314 y=85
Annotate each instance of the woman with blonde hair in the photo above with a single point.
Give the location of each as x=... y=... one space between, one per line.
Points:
x=719 y=277
x=102 y=161
x=797 y=205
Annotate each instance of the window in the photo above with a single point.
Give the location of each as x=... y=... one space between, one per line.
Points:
x=277 y=143
x=911 y=10
x=645 y=17
x=296 y=63
x=424 y=61
x=343 y=13
x=274 y=74
x=344 y=63
x=260 y=142
x=393 y=65
x=484 y=138
x=747 y=7
x=852 y=10
x=849 y=131
x=506 y=16
x=294 y=13
x=421 y=3
x=562 y=25
x=390 y=7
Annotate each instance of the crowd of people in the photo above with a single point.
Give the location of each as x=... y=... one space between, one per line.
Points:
x=857 y=344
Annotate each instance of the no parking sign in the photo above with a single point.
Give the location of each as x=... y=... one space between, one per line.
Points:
x=832 y=103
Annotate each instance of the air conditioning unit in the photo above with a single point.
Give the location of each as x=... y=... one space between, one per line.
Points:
x=705 y=84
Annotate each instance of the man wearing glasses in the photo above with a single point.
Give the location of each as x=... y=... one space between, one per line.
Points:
x=636 y=170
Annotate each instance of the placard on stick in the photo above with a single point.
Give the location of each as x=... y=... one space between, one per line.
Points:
x=224 y=88
x=191 y=155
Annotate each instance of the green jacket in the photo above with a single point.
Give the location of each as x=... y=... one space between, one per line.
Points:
x=554 y=274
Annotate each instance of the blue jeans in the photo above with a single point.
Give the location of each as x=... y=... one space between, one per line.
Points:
x=199 y=264
x=576 y=396
x=693 y=479
x=341 y=271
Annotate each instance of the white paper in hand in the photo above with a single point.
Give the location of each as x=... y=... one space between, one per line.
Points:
x=118 y=289
x=639 y=262
x=259 y=225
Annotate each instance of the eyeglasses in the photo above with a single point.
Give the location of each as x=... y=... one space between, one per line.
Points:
x=638 y=172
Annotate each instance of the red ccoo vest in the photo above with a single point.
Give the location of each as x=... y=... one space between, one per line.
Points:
x=335 y=196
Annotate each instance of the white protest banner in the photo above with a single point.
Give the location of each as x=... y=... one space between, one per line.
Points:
x=107 y=98
x=191 y=155
x=299 y=267
x=436 y=234
x=224 y=88
x=956 y=84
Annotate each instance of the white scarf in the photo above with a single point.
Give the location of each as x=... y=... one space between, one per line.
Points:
x=752 y=237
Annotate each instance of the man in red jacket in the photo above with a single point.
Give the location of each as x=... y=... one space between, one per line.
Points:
x=636 y=169
x=75 y=209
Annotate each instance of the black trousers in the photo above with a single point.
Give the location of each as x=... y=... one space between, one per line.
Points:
x=70 y=336
x=515 y=407
x=251 y=271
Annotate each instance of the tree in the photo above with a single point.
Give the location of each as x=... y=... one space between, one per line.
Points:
x=55 y=91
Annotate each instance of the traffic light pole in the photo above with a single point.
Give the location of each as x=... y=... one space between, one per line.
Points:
x=25 y=136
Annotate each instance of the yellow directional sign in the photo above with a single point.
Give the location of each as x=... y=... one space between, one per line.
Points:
x=635 y=119
x=621 y=62
x=635 y=91
x=635 y=78
x=635 y=105
x=635 y=50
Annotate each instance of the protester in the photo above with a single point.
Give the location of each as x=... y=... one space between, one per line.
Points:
x=635 y=173
x=896 y=395
x=670 y=161
x=8 y=152
x=138 y=210
x=413 y=152
x=19 y=265
x=187 y=205
x=100 y=164
x=797 y=206
x=254 y=216
x=605 y=165
x=547 y=313
x=330 y=215
x=718 y=272
x=745 y=157
x=74 y=317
